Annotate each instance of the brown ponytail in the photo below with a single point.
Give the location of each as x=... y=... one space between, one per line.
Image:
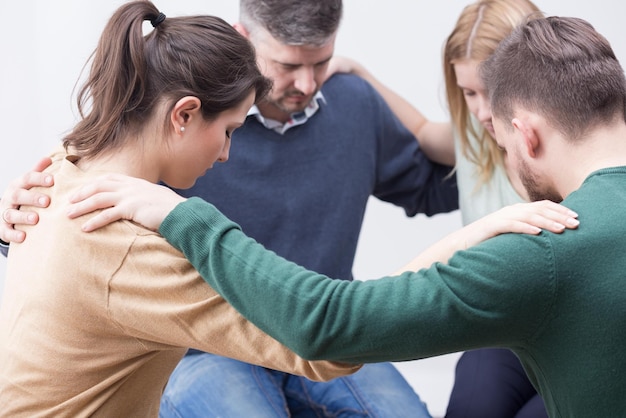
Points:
x=130 y=73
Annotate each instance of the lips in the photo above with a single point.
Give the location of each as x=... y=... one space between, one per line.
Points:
x=297 y=99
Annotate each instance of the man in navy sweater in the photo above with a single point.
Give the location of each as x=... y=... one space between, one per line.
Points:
x=300 y=173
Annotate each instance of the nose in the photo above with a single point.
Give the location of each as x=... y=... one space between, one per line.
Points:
x=305 y=80
x=225 y=153
x=484 y=110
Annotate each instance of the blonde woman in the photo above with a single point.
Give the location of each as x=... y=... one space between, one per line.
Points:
x=488 y=382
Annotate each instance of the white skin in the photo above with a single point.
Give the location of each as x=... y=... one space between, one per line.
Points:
x=177 y=159
x=474 y=92
x=477 y=100
x=123 y=197
x=436 y=138
x=550 y=164
x=524 y=142
x=297 y=71
x=120 y=191
x=180 y=157
x=557 y=165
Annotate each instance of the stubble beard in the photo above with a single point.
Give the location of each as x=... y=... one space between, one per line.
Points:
x=280 y=103
x=534 y=190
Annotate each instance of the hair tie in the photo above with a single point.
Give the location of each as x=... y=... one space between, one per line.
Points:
x=157 y=20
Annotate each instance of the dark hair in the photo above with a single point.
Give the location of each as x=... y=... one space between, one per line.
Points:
x=560 y=68
x=293 y=22
x=132 y=75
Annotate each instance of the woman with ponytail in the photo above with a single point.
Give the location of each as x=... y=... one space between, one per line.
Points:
x=97 y=323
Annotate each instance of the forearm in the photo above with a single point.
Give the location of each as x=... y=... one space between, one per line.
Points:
x=437 y=141
x=527 y=218
x=440 y=252
x=461 y=239
x=316 y=317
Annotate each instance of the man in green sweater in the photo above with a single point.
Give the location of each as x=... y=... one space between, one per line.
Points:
x=557 y=300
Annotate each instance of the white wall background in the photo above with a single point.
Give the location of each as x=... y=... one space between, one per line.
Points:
x=44 y=44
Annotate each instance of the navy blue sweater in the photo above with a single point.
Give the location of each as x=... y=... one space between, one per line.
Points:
x=303 y=194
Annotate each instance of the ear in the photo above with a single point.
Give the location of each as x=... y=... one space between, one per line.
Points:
x=243 y=31
x=528 y=134
x=184 y=112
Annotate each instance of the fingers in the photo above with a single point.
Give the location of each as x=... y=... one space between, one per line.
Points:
x=18 y=194
x=102 y=184
x=17 y=217
x=554 y=217
x=88 y=200
x=97 y=200
x=557 y=207
x=10 y=217
x=103 y=218
x=11 y=201
x=104 y=192
x=9 y=235
x=530 y=218
x=84 y=193
x=32 y=179
x=42 y=164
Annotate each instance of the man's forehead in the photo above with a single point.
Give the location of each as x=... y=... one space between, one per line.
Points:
x=296 y=54
x=262 y=36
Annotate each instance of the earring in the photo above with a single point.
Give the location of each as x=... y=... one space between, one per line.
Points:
x=182 y=129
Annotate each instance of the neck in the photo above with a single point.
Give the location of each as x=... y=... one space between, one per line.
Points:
x=604 y=147
x=129 y=160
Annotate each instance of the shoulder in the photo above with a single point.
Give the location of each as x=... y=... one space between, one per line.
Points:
x=513 y=276
x=516 y=263
x=350 y=93
x=340 y=84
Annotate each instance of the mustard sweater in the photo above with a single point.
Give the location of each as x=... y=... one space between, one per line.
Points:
x=92 y=324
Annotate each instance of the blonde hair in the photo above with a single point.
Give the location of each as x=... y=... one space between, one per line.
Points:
x=478 y=31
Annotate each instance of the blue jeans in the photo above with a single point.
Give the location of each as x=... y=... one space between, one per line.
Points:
x=205 y=385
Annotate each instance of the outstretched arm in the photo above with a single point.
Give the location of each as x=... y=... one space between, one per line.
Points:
x=123 y=197
x=18 y=193
x=435 y=138
x=521 y=218
x=304 y=310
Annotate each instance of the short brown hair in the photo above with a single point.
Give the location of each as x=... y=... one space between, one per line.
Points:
x=560 y=68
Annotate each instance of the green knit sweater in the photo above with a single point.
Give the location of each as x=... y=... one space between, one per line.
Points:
x=557 y=300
